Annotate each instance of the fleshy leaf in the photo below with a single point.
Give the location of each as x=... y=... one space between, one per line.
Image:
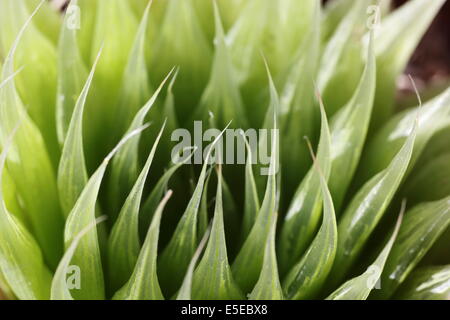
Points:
x=59 y=289
x=422 y=227
x=125 y=166
x=29 y=164
x=123 y=244
x=212 y=278
x=143 y=284
x=35 y=84
x=179 y=30
x=249 y=261
x=150 y=205
x=395 y=41
x=306 y=278
x=367 y=207
x=222 y=96
x=434 y=116
x=175 y=257
x=185 y=292
x=303 y=215
x=435 y=173
x=360 y=287
x=72 y=74
x=298 y=113
x=427 y=283
x=72 y=173
x=87 y=255
x=135 y=83
x=21 y=262
x=114 y=30
x=268 y=286
x=348 y=133
x=251 y=204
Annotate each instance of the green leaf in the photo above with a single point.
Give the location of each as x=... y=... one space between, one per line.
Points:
x=367 y=207
x=135 y=83
x=185 y=291
x=21 y=262
x=87 y=255
x=29 y=164
x=47 y=20
x=298 y=112
x=212 y=278
x=268 y=286
x=114 y=30
x=222 y=96
x=435 y=173
x=72 y=172
x=59 y=289
x=203 y=215
x=125 y=166
x=246 y=37
x=72 y=74
x=303 y=215
x=178 y=31
x=395 y=42
x=422 y=227
x=360 y=287
x=306 y=278
x=249 y=261
x=251 y=204
x=36 y=84
x=156 y=194
x=181 y=247
x=434 y=116
x=123 y=244
x=348 y=133
x=427 y=283
x=336 y=45
x=143 y=284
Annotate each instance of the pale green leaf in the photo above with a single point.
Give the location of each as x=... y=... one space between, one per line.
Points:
x=72 y=74
x=29 y=164
x=60 y=289
x=427 y=283
x=251 y=204
x=21 y=262
x=422 y=227
x=212 y=278
x=143 y=284
x=268 y=286
x=348 y=133
x=307 y=277
x=395 y=41
x=175 y=257
x=135 y=84
x=156 y=194
x=303 y=215
x=125 y=166
x=360 y=287
x=222 y=96
x=72 y=172
x=185 y=292
x=87 y=255
x=367 y=207
x=249 y=261
x=123 y=244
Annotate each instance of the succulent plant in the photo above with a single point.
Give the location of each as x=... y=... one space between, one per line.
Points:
x=98 y=199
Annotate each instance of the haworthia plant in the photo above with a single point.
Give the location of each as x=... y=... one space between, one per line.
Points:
x=281 y=225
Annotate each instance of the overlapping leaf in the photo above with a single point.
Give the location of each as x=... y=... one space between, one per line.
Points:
x=422 y=227
x=367 y=207
x=143 y=283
